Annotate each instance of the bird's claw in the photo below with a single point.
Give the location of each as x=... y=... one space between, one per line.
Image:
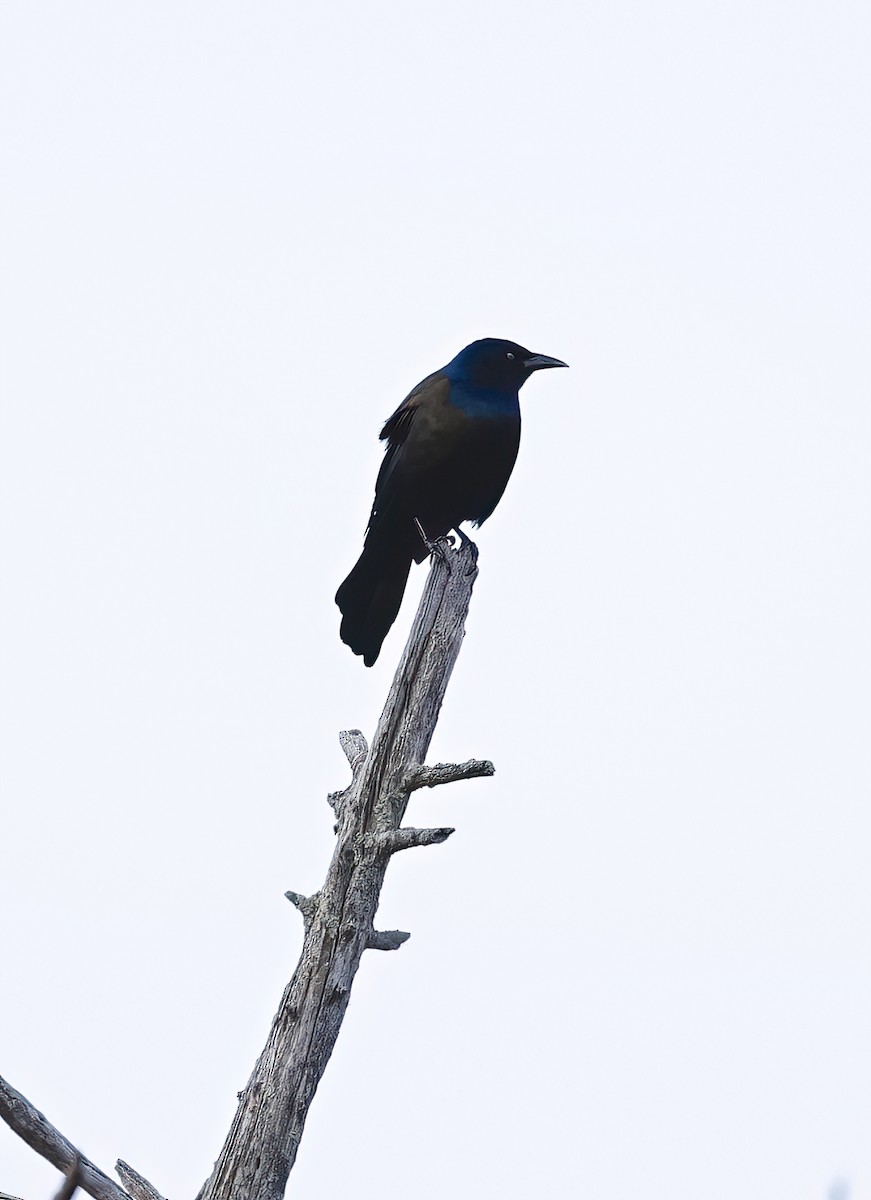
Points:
x=435 y=548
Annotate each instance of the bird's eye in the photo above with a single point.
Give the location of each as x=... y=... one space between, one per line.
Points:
x=510 y=355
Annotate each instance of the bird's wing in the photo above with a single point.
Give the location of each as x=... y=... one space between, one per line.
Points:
x=431 y=392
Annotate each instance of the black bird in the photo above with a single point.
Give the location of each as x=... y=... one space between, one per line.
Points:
x=451 y=447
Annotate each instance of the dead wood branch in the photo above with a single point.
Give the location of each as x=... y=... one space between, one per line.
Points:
x=421 y=777
x=39 y=1133
x=138 y=1187
x=261 y=1147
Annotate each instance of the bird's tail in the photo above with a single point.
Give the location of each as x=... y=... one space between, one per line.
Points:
x=371 y=596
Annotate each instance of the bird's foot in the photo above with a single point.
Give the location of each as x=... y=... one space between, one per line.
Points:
x=436 y=547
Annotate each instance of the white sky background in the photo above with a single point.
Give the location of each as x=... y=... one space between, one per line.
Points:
x=233 y=237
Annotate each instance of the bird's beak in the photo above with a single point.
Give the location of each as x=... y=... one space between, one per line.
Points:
x=538 y=362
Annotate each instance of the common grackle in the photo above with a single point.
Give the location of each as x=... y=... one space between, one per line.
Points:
x=451 y=446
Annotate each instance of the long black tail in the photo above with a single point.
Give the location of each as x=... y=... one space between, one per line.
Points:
x=371 y=596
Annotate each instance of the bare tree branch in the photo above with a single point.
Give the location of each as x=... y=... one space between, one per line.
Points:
x=386 y=939
x=421 y=777
x=306 y=905
x=356 y=748
x=261 y=1147
x=30 y=1125
x=138 y=1187
x=407 y=838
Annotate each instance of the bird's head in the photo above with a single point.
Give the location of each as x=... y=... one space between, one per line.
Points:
x=495 y=363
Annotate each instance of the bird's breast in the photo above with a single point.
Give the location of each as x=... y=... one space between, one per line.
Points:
x=446 y=431
x=458 y=458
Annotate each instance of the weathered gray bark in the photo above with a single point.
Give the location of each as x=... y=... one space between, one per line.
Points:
x=261 y=1146
x=39 y=1133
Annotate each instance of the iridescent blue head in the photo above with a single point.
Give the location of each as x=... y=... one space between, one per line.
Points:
x=497 y=365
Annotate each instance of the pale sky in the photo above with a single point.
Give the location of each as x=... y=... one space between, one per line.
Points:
x=232 y=237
